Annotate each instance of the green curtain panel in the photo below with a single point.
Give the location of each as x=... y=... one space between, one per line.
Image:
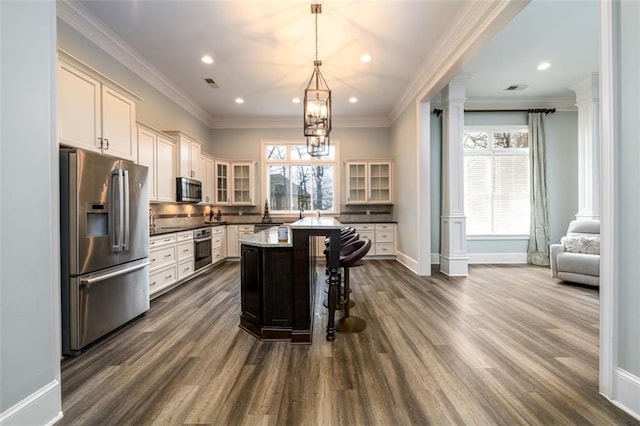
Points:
x=538 y=250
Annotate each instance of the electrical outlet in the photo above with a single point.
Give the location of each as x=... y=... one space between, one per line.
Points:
x=368 y=212
x=240 y=213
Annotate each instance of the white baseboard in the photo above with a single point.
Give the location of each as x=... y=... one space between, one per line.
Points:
x=626 y=388
x=497 y=257
x=407 y=261
x=488 y=258
x=43 y=407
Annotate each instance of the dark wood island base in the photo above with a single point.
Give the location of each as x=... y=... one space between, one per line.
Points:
x=278 y=282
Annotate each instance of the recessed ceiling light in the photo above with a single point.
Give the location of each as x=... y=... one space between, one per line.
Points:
x=543 y=66
x=366 y=58
x=295 y=100
x=207 y=59
x=353 y=99
x=239 y=100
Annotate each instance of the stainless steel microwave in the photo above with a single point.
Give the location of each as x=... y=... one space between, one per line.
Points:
x=188 y=190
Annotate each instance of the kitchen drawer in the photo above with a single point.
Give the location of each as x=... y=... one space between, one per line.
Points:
x=384 y=236
x=363 y=227
x=185 y=250
x=216 y=242
x=162 y=240
x=162 y=256
x=184 y=236
x=185 y=269
x=384 y=226
x=384 y=249
x=217 y=230
x=162 y=278
x=368 y=234
x=216 y=255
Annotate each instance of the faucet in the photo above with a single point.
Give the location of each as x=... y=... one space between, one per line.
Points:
x=301 y=211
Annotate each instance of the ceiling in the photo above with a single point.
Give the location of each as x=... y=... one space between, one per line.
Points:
x=263 y=51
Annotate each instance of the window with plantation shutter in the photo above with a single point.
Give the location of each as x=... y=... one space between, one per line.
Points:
x=496 y=181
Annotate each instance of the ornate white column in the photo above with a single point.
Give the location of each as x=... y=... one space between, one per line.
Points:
x=588 y=147
x=453 y=254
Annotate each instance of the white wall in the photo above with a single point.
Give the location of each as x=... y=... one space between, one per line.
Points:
x=29 y=244
x=628 y=208
x=155 y=109
x=404 y=148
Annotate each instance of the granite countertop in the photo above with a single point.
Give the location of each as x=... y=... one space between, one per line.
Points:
x=266 y=238
x=317 y=223
x=173 y=229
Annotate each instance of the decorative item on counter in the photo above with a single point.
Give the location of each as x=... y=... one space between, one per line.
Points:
x=211 y=215
x=219 y=215
x=266 y=218
x=283 y=234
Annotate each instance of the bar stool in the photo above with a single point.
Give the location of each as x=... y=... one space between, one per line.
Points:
x=345 y=249
x=358 y=249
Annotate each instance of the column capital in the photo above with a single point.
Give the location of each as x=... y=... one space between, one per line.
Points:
x=455 y=91
x=586 y=89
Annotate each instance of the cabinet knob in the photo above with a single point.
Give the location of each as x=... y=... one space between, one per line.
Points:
x=107 y=141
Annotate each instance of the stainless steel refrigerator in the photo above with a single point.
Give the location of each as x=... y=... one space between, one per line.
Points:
x=104 y=232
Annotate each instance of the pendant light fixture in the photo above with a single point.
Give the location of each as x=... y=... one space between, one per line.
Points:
x=317 y=104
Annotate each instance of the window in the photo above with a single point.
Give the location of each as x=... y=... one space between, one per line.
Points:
x=295 y=180
x=496 y=181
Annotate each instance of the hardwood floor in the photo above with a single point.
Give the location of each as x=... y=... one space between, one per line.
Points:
x=507 y=345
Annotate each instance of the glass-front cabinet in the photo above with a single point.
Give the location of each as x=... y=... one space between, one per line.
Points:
x=222 y=182
x=369 y=182
x=242 y=184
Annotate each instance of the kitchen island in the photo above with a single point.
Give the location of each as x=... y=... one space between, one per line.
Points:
x=278 y=281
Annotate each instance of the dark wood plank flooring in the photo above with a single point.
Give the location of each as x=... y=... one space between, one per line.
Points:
x=507 y=345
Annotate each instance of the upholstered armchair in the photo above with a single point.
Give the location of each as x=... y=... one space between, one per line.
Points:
x=577 y=257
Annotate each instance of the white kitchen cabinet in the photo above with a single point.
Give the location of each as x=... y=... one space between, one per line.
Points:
x=222 y=182
x=94 y=113
x=369 y=182
x=218 y=244
x=382 y=236
x=234 y=233
x=171 y=257
x=233 y=249
x=242 y=183
x=208 y=165
x=189 y=153
x=158 y=153
x=163 y=268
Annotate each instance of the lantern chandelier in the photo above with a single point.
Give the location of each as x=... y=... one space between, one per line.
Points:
x=317 y=104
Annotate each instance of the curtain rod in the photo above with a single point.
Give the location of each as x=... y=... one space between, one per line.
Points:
x=438 y=111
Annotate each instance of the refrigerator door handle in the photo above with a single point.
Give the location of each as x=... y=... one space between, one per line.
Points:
x=97 y=278
x=125 y=210
x=114 y=209
x=117 y=200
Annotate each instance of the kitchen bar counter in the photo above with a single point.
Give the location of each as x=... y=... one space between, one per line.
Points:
x=266 y=238
x=278 y=281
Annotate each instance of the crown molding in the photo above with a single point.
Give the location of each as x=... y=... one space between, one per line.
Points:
x=94 y=30
x=470 y=26
x=293 y=122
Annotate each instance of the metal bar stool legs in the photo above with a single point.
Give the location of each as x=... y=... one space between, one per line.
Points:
x=349 y=323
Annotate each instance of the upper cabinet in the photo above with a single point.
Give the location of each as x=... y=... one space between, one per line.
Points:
x=369 y=182
x=207 y=164
x=222 y=182
x=242 y=183
x=190 y=151
x=158 y=152
x=94 y=113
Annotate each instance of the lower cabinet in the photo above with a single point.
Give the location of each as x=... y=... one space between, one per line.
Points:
x=163 y=268
x=218 y=244
x=266 y=287
x=382 y=236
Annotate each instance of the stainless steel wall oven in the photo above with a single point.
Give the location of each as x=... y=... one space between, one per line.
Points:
x=201 y=248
